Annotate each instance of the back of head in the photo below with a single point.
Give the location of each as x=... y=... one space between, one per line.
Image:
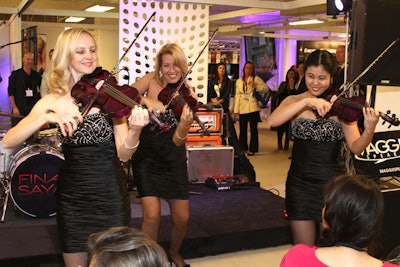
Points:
x=353 y=211
x=124 y=247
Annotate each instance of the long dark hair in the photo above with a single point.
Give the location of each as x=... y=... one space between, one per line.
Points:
x=254 y=67
x=353 y=207
x=216 y=75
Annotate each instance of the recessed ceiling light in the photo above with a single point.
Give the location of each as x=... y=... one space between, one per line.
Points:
x=98 y=8
x=74 y=19
x=305 y=22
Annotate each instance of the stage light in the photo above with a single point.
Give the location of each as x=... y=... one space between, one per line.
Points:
x=335 y=7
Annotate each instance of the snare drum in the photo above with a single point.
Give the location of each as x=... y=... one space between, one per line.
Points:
x=49 y=137
x=34 y=172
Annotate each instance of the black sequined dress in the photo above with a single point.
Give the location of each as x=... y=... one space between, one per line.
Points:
x=91 y=191
x=316 y=158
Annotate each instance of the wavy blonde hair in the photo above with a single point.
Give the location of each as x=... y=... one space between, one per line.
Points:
x=177 y=53
x=60 y=75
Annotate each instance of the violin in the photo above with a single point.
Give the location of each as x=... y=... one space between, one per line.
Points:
x=100 y=89
x=178 y=101
x=350 y=109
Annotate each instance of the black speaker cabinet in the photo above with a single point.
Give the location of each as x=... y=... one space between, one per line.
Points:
x=374 y=26
x=391 y=222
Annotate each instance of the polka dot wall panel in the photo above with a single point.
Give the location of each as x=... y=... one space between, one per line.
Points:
x=167 y=22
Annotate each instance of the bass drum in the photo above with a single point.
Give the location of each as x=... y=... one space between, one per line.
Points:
x=34 y=174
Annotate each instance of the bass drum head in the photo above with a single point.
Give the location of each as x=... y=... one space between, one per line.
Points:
x=34 y=173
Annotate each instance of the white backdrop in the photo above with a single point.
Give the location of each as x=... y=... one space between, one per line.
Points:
x=184 y=24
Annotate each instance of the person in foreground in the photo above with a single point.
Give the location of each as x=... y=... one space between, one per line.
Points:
x=159 y=165
x=124 y=247
x=91 y=190
x=351 y=220
x=318 y=139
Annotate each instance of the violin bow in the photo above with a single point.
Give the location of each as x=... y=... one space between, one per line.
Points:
x=343 y=86
x=175 y=92
x=114 y=70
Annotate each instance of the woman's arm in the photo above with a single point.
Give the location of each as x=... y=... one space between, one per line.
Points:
x=294 y=105
x=358 y=142
x=127 y=133
x=41 y=114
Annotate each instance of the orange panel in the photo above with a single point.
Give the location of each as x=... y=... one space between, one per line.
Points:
x=196 y=140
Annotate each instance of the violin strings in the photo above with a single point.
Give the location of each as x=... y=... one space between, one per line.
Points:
x=110 y=90
x=113 y=92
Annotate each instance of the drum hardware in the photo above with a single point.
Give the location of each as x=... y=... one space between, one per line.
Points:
x=5 y=183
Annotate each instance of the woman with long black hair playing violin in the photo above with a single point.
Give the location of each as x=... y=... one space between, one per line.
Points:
x=91 y=188
x=159 y=164
x=317 y=144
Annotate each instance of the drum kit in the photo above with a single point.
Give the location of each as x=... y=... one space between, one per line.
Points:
x=29 y=173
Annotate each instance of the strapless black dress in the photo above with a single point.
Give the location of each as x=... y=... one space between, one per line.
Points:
x=159 y=166
x=316 y=158
x=91 y=191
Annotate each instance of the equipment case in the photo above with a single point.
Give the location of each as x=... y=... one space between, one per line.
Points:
x=206 y=161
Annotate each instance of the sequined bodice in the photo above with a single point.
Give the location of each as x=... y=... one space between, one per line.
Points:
x=95 y=129
x=325 y=130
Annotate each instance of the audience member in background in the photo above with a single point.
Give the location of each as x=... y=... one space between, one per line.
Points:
x=124 y=247
x=246 y=106
x=301 y=80
x=340 y=59
x=220 y=87
x=351 y=223
x=44 y=89
x=317 y=144
x=219 y=92
x=285 y=89
x=23 y=89
x=159 y=165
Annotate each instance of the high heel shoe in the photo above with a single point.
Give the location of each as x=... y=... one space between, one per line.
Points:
x=172 y=262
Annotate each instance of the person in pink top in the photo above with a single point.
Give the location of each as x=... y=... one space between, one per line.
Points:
x=351 y=221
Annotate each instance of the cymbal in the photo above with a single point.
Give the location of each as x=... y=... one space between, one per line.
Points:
x=11 y=115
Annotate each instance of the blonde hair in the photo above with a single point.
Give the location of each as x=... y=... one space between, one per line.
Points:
x=60 y=75
x=179 y=59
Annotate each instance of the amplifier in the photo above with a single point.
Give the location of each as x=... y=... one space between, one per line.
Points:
x=212 y=120
x=206 y=161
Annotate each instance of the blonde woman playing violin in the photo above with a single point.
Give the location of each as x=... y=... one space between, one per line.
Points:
x=91 y=191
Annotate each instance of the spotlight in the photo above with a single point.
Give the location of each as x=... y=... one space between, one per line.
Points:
x=335 y=7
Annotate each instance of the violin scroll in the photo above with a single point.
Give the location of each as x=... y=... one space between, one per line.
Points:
x=393 y=120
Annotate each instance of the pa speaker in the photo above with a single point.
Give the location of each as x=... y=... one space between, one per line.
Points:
x=374 y=26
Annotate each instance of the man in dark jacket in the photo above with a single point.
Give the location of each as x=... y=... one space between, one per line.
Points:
x=23 y=88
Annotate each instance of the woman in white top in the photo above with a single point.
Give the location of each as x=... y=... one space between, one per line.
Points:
x=247 y=106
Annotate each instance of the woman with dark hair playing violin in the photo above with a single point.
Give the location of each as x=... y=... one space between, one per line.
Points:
x=318 y=137
x=159 y=165
x=91 y=188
